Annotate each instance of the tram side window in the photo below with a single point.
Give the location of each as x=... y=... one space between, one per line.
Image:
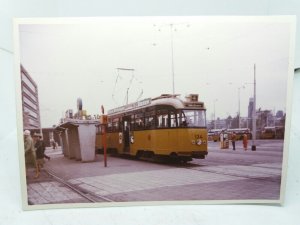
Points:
x=98 y=129
x=120 y=125
x=132 y=123
x=162 y=118
x=150 y=120
x=109 y=125
x=139 y=121
x=115 y=124
x=173 y=121
x=181 y=119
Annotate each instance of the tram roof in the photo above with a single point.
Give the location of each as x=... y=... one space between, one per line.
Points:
x=170 y=100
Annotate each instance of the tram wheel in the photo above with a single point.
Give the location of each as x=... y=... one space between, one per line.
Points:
x=186 y=159
x=139 y=154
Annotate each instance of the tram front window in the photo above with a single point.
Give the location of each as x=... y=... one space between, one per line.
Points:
x=193 y=118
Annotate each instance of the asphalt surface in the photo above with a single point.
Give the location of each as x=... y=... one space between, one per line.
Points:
x=224 y=175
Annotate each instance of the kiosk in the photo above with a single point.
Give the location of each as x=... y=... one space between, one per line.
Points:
x=224 y=140
x=78 y=138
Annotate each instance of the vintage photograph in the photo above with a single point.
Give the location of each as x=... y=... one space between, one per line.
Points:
x=155 y=110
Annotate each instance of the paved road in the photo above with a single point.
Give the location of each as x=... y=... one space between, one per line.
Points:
x=223 y=175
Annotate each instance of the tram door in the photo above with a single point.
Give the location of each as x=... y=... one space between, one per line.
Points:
x=126 y=134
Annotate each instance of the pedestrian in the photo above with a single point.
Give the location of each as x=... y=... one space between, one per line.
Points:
x=39 y=146
x=30 y=154
x=233 y=139
x=245 y=141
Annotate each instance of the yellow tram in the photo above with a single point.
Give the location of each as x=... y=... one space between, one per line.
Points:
x=161 y=126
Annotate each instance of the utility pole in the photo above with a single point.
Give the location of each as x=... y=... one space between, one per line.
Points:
x=253 y=148
x=103 y=124
x=239 y=112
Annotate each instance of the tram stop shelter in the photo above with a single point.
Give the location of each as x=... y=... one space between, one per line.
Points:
x=78 y=138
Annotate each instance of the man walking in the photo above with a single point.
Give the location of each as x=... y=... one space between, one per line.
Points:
x=233 y=139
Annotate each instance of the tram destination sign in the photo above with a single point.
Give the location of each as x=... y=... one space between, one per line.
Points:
x=131 y=106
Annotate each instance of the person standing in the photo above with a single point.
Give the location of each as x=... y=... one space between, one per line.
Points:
x=39 y=152
x=233 y=139
x=30 y=155
x=245 y=141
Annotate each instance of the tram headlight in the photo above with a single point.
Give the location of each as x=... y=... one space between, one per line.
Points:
x=198 y=142
x=131 y=139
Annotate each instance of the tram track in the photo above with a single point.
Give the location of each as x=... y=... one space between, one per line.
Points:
x=196 y=166
x=89 y=196
x=266 y=178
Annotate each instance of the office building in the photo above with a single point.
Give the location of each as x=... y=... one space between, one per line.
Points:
x=30 y=102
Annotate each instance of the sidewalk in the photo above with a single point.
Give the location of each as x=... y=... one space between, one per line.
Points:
x=67 y=169
x=45 y=189
x=126 y=180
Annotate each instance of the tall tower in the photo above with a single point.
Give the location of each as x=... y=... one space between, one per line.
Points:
x=250 y=110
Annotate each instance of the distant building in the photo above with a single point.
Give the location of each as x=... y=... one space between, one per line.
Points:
x=250 y=112
x=30 y=102
x=279 y=114
x=218 y=124
x=250 y=107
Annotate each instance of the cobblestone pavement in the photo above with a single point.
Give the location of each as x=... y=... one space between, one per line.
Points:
x=224 y=175
x=45 y=190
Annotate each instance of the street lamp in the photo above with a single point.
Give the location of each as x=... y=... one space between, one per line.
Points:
x=253 y=148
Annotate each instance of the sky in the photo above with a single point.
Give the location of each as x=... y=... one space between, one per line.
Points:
x=103 y=59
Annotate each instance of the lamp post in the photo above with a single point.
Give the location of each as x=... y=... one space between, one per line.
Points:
x=253 y=148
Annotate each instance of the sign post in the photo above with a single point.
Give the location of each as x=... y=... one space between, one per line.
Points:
x=104 y=144
x=103 y=124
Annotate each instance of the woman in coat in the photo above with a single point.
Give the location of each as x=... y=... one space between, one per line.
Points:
x=245 y=141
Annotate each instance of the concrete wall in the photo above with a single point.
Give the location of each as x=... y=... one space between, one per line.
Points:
x=87 y=135
x=65 y=143
x=74 y=146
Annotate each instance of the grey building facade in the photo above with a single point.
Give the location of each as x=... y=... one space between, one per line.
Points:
x=30 y=101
